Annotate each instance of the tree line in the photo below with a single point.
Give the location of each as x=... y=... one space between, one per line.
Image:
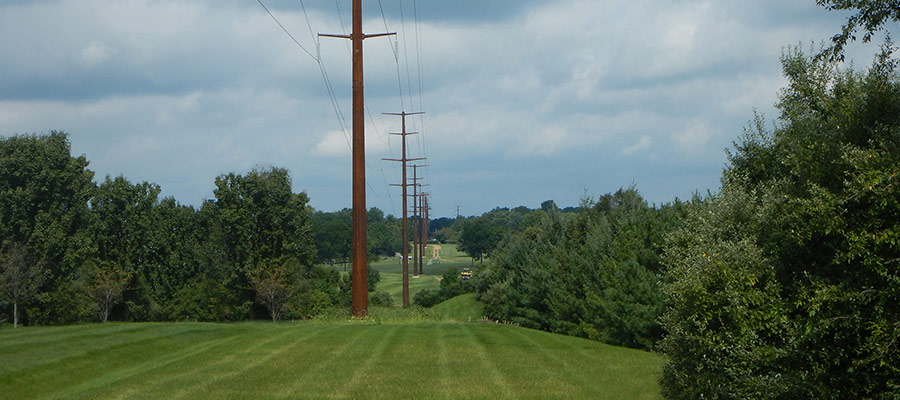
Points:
x=784 y=284
x=74 y=250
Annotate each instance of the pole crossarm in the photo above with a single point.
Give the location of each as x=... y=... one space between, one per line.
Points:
x=334 y=35
x=402 y=159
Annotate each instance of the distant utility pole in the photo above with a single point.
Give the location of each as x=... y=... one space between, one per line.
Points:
x=418 y=224
x=415 y=224
x=424 y=209
x=404 y=185
x=457 y=212
x=360 y=294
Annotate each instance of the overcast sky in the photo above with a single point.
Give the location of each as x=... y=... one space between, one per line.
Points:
x=525 y=100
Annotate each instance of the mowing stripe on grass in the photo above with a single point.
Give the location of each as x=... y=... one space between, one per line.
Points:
x=327 y=356
x=484 y=356
x=81 y=361
x=217 y=367
x=554 y=365
x=260 y=360
x=360 y=377
x=114 y=377
x=52 y=344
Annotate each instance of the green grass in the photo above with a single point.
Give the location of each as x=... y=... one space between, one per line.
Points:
x=450 y=258
x=460 y=308
x=316 y=360
x=393 y=284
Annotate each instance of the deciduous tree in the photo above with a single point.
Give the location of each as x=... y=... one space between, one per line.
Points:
x=272 y=286
x=108 y=283
x=20 y=275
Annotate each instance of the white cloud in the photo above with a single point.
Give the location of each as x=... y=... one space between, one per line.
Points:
x=693 y=138
x=643 y=143
x=333 y=144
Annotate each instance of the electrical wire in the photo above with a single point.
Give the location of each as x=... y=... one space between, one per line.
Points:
x=285 y=29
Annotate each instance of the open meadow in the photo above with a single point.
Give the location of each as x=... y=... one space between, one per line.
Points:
x=380 y=358
x=450 y=258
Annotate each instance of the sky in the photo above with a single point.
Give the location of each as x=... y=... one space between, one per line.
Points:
x=524 y=100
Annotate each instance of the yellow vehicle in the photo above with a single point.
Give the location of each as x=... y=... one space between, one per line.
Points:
x=466 y=273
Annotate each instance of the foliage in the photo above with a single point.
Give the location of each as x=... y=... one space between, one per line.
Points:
x=786 y=284
x=108 y=283
x=480 y=236
x=20 y=276
x=183 y=263
x=452 y=285
x=44 y=194
x=334 y=233
x=272 y=287
x=380 y=298
x=593 y=274
x=205 y=299
x=870 y=15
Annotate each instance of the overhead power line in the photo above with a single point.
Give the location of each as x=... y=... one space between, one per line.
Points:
x=285 y=30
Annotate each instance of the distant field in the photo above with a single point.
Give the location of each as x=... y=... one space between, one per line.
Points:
x=393 y=284
x=331 y=360
x=450 y=258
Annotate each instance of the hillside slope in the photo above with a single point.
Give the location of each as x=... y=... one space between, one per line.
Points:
x=316 y=360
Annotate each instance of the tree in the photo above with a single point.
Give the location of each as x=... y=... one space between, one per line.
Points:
x=479 y=237
x=263 y=219
x=593 y=274
x=870 y=15
x=333 y=233
x=272 y=287
x=785 y=284
x=122 y=227
x=107 y=286
x=44 y=194
x=20 y=275
x=260 y=220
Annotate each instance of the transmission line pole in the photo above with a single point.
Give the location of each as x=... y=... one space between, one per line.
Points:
x=418 y=226
x=360 y=294
x=424 y=209
x=404 y=185
x=416 y=260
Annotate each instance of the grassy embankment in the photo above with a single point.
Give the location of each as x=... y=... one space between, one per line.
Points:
x=381 y=358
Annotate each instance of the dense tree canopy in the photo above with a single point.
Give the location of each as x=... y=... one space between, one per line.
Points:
x=786 y=284
x=116 y=250
x=594 y=274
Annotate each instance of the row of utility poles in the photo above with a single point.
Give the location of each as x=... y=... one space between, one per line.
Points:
x=420 y=207
x=360 y=297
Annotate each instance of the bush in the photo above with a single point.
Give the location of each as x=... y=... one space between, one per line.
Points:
x=380 y=298
x=427 y=298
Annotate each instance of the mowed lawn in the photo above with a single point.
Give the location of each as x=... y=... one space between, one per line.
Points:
x=450 y=258
x=316 y=360
x=393 y=284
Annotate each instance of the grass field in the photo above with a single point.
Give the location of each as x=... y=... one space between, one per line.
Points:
x=460 y=308
x=450 y=258
x=316 y=360
x=393 y=284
